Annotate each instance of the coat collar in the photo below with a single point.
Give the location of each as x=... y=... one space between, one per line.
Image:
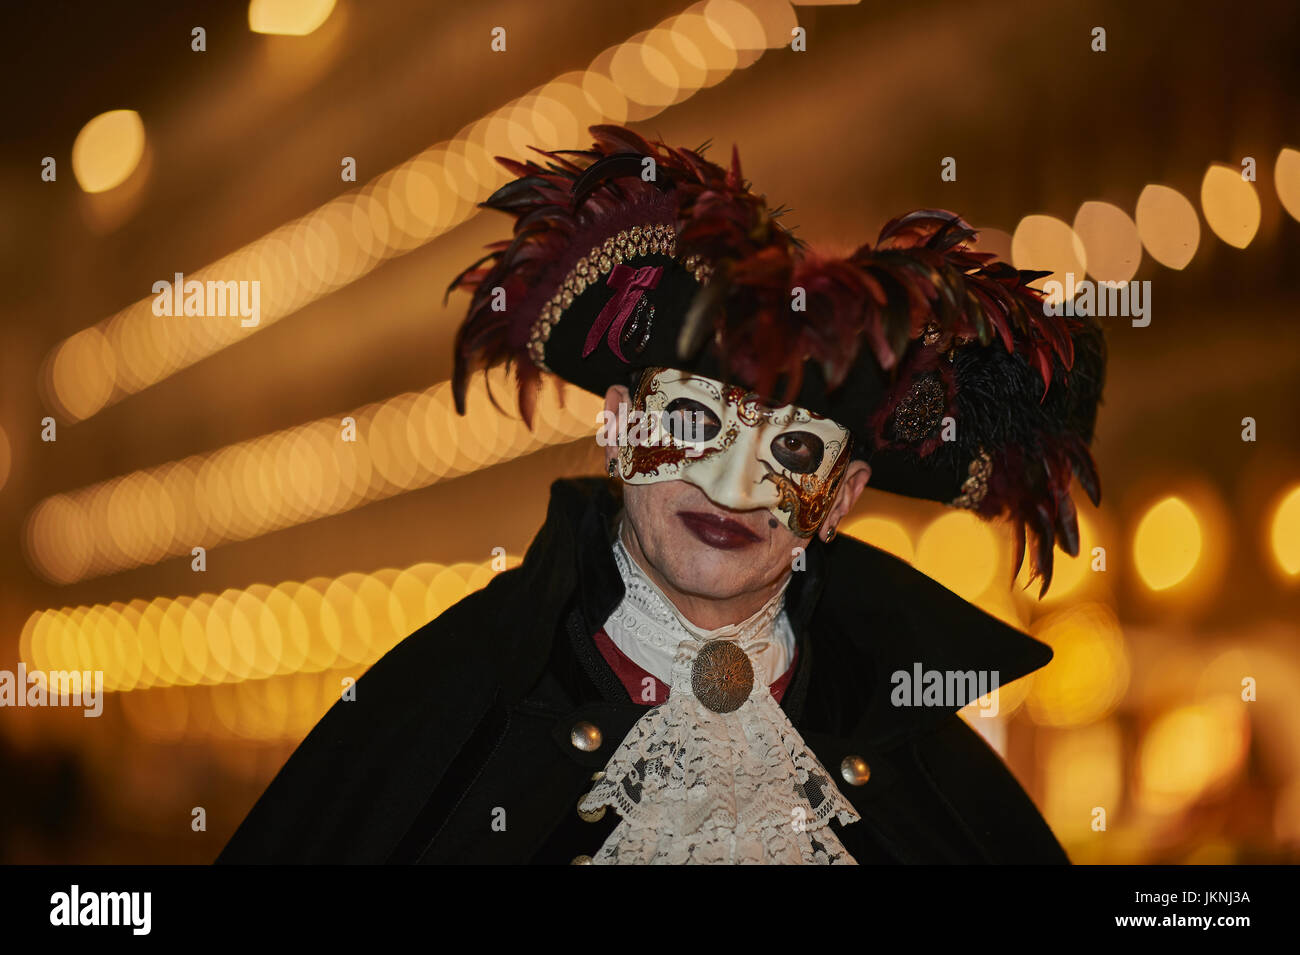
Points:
x=860 y=615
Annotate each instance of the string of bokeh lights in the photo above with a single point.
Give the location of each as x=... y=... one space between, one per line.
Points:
x=289 y=477
x=250 y=633
x=284 y=643
x=402 y=209
x=1107 y=244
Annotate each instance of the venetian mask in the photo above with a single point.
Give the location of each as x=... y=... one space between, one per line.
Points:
x=741 y=453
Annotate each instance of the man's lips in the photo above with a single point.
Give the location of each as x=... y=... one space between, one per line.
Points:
x=716 y=531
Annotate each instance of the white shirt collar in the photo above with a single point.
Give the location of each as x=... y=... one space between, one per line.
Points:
x=648 y=627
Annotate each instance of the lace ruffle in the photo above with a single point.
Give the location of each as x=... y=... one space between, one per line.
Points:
x=695 y=786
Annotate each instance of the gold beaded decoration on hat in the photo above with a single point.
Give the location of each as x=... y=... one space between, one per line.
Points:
x=976 y=484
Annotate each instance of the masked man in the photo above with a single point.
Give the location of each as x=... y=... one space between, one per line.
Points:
x=689 y=665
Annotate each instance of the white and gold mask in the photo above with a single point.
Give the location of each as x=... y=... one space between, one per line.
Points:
x=741 y=453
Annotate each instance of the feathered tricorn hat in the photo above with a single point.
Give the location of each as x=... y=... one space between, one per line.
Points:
x=956 y=385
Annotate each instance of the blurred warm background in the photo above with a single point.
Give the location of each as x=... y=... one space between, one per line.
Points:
x=227 y=163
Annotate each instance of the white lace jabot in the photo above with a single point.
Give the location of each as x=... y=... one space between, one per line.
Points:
x=697 y=786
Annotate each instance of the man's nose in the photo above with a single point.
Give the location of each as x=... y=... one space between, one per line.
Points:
x=738 y=479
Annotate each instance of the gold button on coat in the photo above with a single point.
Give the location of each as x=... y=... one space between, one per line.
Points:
x=581 y=860
x=591 y=815
x=855 y=770
x=585 y=736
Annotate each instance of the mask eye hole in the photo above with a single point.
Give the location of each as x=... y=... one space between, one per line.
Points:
x=800 y=451
x=688 y=420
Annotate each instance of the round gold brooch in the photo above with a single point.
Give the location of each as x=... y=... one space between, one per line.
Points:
x=722 y=676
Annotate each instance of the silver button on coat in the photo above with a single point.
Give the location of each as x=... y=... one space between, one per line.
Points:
x=855 y=770
x=585 y=736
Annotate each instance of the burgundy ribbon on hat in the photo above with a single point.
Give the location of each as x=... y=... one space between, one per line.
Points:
x=630 y=284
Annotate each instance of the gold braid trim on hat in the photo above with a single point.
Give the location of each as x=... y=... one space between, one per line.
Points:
x=595 y=266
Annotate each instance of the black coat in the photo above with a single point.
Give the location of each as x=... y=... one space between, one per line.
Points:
x=457 y=746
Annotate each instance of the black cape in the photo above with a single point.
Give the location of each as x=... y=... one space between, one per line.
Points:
x=457 y=745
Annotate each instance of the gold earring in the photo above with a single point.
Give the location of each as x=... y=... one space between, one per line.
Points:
x=830 y=534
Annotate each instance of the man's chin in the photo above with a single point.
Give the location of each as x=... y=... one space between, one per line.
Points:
x=717 y=575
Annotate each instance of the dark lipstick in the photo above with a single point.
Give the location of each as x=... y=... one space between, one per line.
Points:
x=720 y=532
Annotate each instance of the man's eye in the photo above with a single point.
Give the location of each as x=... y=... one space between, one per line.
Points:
x=800 y=451
x=688 y=420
